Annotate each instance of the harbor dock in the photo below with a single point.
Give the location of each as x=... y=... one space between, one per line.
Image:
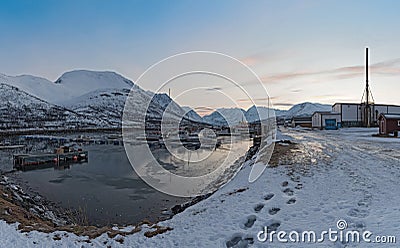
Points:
x=22 y=161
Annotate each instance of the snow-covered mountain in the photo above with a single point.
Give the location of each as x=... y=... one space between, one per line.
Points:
x=35 y=86
x=94 y=98
x=235 y=115
x=164 y=101
x=79 y=82
x=87 y=97
x=191 y=114
x=22 y=110
x=225 y=116
x=307 y=109
x=70 y=85
x=256 y=113
x=107 y=105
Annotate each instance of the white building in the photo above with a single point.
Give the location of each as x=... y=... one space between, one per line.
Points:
x=326 y=120
x=353 y=114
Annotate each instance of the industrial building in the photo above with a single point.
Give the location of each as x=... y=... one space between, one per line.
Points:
x=326 y=120
x=354 y=114
x=389 y=124
x=366 y=113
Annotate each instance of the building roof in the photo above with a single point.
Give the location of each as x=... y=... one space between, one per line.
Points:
x=346 y=103
x=325 y=113
x=372 y=104
x=302 y=118
x=390 y=116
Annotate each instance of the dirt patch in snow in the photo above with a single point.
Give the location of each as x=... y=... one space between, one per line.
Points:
x=283 y=151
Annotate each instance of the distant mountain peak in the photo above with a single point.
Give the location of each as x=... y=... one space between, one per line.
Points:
x=70 y=85
x=100 y=77
x=307 y=109
x=255 y=113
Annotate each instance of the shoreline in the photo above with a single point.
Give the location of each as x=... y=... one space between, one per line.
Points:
x=60 y=131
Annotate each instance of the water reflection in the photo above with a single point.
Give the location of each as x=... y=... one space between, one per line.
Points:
x=106 y=188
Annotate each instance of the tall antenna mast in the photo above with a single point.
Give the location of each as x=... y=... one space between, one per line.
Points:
x=367 y=91
x=366 y=76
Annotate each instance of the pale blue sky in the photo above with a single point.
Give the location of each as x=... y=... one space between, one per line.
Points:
x=303 y=50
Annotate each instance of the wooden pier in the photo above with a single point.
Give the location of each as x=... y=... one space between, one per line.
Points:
x=22 y=161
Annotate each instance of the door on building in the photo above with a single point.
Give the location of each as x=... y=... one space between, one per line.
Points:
x=330 y=124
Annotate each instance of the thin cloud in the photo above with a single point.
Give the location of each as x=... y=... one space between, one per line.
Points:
x=202 y=111
x=214 y=89
x=266 y=57
x=255 y=99
x=388 y=68
x=201 y=108
x=283 y=104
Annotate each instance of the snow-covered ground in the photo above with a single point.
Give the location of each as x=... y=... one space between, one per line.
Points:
x=334 y=175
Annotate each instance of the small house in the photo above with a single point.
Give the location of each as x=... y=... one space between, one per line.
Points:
x=301 y=121
x=389 y=124
x=326 y=120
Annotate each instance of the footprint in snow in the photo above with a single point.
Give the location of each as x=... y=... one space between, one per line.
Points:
x=268 y=196
x=250 y=221
x=258 y=207
x=238 y=240
x=273 y=225
x=288 y=191
x=299 y=186
x=273 y=211
x=359 y=213
x=291 y=201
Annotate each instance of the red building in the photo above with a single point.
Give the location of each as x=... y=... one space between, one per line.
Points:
x=389 y=123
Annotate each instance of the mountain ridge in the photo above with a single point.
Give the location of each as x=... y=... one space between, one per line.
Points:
x=101 y=95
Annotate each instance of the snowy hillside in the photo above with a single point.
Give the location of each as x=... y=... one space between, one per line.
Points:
x=236 y=115
x=79 y=82
x=36 y=86
x=98 y=97
x=69 y=85
x=223 y=116
x=101 y=97
x=191 y=114
x=307 y=108
x=22 y=110
x=256 y=113
x=107 y=105
x=164 y=101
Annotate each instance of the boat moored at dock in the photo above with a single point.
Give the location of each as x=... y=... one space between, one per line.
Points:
x=61 y=155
